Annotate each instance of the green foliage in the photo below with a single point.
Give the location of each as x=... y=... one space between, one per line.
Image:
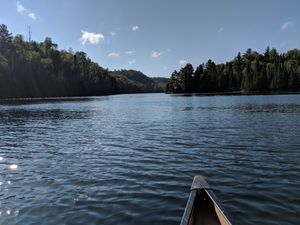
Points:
x=5 y=37
x=161 y=83
x=250 y=72
x=31 y=69
x=132 y=81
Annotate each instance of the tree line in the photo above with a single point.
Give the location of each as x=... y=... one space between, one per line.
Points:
x=33 y=69
x=250 y=72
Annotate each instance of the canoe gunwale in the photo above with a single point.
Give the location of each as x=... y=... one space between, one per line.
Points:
x=220 y=207
x=189 y=208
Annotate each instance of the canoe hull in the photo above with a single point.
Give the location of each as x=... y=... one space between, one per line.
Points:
x=203 y=207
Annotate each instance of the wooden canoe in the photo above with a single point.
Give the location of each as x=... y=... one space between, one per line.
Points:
x=203 y=207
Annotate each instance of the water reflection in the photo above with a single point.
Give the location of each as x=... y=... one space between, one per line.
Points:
x=269 y=108
x=31 y=101
x=54 y=114
x=186 y=108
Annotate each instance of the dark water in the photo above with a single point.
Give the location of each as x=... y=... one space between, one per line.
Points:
x=130 y=159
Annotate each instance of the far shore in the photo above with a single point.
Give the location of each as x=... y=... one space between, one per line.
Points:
x=74 y=98
x=236 y=93
x=62 y=98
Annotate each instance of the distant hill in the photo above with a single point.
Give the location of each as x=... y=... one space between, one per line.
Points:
x=161 y=82
x=132 y=81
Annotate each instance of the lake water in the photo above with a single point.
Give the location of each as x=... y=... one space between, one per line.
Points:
x=130 y=159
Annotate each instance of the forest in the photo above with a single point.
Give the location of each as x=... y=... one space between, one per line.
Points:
x=31 y=69
x=250 y=72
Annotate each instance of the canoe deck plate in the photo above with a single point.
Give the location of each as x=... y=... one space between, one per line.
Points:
x=199 y=183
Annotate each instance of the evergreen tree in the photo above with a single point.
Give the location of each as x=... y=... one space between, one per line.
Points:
x=250 y=72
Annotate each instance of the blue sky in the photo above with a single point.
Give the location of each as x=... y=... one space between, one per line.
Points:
x=157 y=36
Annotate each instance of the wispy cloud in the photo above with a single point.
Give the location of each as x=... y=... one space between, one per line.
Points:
x=22 y=10
x=113 y=33
x=90 y=37
x=132 y=61
x=114 y=54
x=130 y=52
x=32 y=16
x=169 y=50
x=156 y=54
x=286 y=24
x=135 y=28
x=221 y=29
x=183 y=62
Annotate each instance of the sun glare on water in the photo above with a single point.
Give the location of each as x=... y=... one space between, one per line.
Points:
x=13 y=167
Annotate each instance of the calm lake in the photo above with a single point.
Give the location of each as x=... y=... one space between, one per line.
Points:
x=130 y=159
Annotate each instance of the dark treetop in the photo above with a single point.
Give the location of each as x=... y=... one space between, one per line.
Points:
x=250 y=72
x=31 y=69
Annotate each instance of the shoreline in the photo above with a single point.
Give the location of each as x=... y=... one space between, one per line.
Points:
x=237 y=93
x=234 y=93
x=62 y=98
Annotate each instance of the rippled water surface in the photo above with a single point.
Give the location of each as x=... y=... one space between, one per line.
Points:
x=130 y=159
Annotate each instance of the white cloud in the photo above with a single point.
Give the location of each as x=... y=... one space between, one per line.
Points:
x=114 y=54
x=22 y=10
x=113 y=33
x=135 y=28
x=130 y=52
x=132 y=61
x=183 y=62
x=156 y=54
x=221 y=29
x=286 y=25
x=32 y=16
x=90 y=37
